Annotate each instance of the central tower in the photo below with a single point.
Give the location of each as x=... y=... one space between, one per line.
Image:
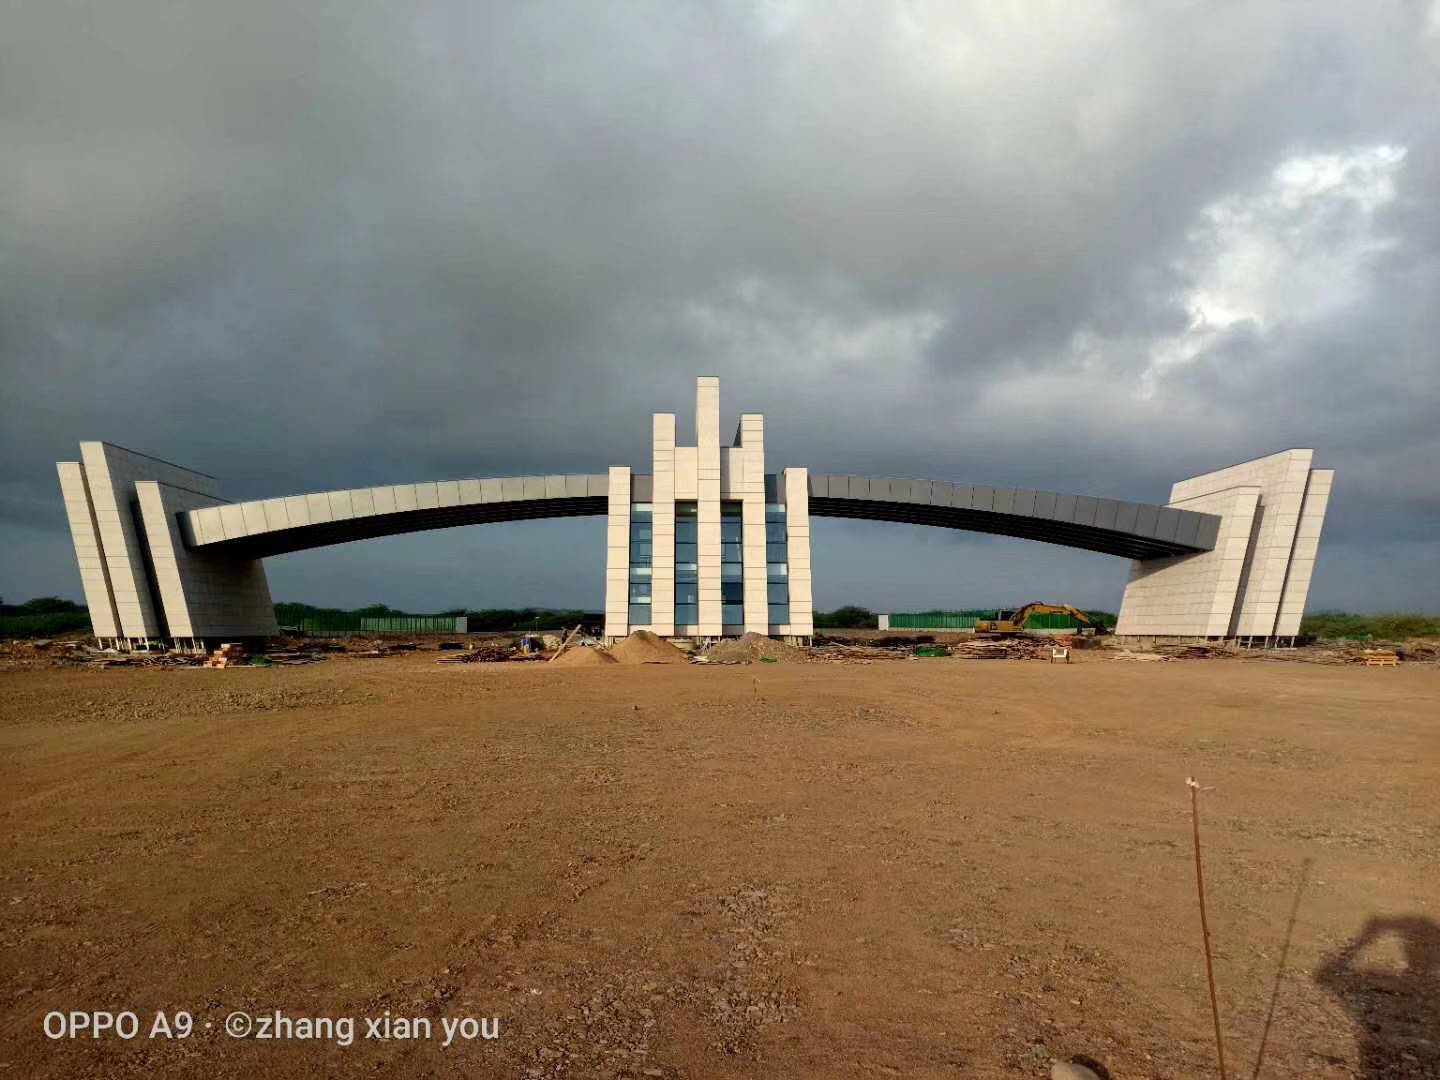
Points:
x=709 y=544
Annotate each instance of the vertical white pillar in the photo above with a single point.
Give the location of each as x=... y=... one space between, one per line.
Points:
x=751 y=487
x=85 y=535
x=797 y=534
x=707 y=443
x=111 y=474
x=1302 y=557
x=662 y=579
x=203 y=595
x=617 y=553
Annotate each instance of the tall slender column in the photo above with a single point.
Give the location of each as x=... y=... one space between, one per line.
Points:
x=617 y=553
x=707 y=442
x=662 y=579
x=751 y=440
x=797 y=536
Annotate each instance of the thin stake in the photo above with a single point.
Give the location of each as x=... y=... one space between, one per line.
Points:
x=1194 y=787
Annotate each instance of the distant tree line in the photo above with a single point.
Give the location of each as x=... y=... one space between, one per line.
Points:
x=1395 y=626
x=48 y=615
x=482 y=619
x=42 y=617
x=854 y=617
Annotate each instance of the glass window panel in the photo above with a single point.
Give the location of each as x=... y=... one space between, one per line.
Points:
x=775 y=510
x=732 y=614
x=777 y=571
x=730 y=571
x=778 y=592
x=779 y=614
x=732 y=592
x=639 y=614
x=640 y=573
x=637 y=509
x=640 y=592
x=687 y=614
x=687 y=592
x=730 y=553
x=686 y=530
x=731 y=530
x=685 y=553
x=640 y=530
x=775 y=553
x=775 y=532
x=730 y=509
x=687 y=572
x=640 y=551
x=686 y=509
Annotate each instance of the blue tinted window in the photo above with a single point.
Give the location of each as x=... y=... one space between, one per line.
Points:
x=732 y=592
x=639 y=614
x=779 y=614
x=732 y=614
x=687 y=573
x=778 y=592
x=639 y=592
x=777 y=571
x=686 y=530
x=730 y=571
x=640 y=551
x=640 y=530
x=731 y=530
x=687 y=593
x=775 y=553
x=687 y=614
x=775 y=532
x=685 y=553
x=640 y=573
x=730 y=553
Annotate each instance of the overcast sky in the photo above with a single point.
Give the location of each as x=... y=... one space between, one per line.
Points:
x=1085 y=247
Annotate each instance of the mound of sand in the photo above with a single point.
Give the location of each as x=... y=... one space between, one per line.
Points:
x=753 y=647
x=583 y=656
x=643 y=647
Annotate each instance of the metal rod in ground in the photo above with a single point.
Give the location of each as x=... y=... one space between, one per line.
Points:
x=1194 y=787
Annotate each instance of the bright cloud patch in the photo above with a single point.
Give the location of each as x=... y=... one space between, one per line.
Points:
x=1295 y=251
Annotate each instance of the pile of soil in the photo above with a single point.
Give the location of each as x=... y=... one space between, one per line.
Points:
x=643 y=647
x=583 y=656
x=753 y=647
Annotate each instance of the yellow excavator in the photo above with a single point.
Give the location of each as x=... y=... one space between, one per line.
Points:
x=1015 y=622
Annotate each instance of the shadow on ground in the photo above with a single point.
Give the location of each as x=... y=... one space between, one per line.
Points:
x=1397 y=1013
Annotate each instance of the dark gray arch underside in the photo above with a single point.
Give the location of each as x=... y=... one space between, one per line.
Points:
x=305 y=537
x=1128 y=530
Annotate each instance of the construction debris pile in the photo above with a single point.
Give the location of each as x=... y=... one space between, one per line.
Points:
x=643 y=647
x=753 y=648
x=231 y=654
x=584 y=656
x=1017 y=647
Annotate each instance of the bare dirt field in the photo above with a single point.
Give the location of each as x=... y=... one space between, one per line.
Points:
x=927 y=868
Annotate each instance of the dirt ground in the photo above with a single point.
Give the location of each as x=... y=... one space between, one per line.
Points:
x=925 y=868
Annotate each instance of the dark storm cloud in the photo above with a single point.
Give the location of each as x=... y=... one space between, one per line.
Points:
x=335 y=244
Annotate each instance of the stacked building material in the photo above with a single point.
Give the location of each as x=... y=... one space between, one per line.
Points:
x=230 y=654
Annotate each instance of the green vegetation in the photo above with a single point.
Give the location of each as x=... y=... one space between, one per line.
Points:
x=1394 y=626
x=849 y=617
x=487 y=619
x=44 y=616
